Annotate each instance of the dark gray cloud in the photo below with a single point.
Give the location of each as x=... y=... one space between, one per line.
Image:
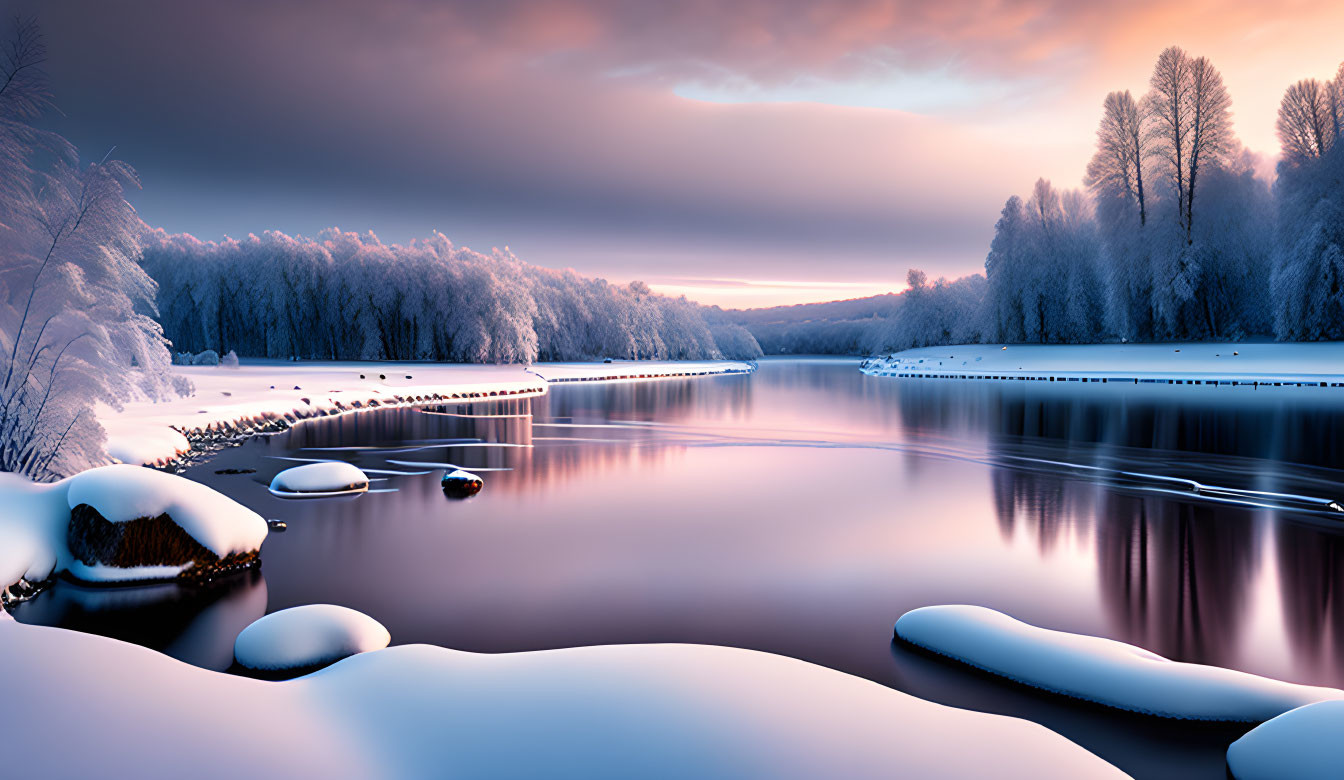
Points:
x=553 y=127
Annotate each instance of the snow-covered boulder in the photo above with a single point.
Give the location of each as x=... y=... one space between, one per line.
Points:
x=1101 y=670
x=133 y=523
x=308 y=636
x=460 y=484
x=1304 y=744
x=207 y=358
x=329 y=478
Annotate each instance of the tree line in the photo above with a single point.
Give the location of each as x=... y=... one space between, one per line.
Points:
x=346 y=296
x=1175 y=236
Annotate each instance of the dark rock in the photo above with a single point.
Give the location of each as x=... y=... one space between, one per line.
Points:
x=146 y=541
x=461 y=484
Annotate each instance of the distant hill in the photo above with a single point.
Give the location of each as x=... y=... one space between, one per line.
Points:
x=832 y=328
x=830 y=311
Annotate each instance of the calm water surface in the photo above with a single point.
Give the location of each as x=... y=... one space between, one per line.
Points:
x=800 y=511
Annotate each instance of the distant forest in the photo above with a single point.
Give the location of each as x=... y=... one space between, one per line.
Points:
x=1175 y=238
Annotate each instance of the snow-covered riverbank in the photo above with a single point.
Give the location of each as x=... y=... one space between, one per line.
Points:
x=1309 y=365
x=255 y=395
x=419 y=711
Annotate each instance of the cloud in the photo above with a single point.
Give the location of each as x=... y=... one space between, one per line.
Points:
x=752 y=139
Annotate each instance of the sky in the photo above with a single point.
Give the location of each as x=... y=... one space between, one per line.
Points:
x=745 y=153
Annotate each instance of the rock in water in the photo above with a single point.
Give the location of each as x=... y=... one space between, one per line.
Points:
x=133 y=523
x=462 y=484
x=320 y=479
x=307 y=636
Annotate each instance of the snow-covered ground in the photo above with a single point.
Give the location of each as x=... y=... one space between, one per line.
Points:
x=260 y=393
x=1101 y=670
x=637 y=370
x=79 y=705
x=1257 y=364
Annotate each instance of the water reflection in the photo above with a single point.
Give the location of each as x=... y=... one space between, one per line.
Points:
x=801 y=510
x=192 y=623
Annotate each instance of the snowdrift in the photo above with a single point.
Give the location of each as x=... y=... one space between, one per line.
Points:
x=1303 y=744
x=1100 y=670
x=421 y=711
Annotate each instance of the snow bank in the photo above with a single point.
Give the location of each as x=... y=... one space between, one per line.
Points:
x=37 y=517
x=1308 y=364
x=1100 y=670
x=259 y=394
x=329 y=478
x=420 y=711
x=1304 y=744
x=308 y=636
x=638 y=370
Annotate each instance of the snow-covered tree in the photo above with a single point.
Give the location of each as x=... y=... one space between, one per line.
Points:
x=1307 y=284
x=345 y=295
x=1116 y=170
x=75 y=324
x=1189 y=125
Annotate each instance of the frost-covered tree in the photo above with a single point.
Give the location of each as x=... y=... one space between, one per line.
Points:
x=930 y=314
x=75 y=328
x=1043 y=275
x=1116 y=170
x=1309 y=117
x=1189 y=125
x=1307 y=284
x=347 y=295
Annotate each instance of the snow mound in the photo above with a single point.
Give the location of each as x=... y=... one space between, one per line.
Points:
x=1100 y=670
x=419 y=711
x=1303 y=744
x=310 y=635
x=122 y=493
x=329 y=478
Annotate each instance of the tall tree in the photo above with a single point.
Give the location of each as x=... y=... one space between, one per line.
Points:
x=1308 y=120
x=1189 y=124
x=1116 y=169
x=74 y=329
x=1168 y=110
x=1210 y=129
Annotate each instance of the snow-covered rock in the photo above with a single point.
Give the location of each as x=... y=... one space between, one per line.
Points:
x=133 y=523
x=306 y=636
x=460 y=484
x=119 y=523
x=419 y=711
x=1101 y=670
x=329 y=478
x=1304 y=744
